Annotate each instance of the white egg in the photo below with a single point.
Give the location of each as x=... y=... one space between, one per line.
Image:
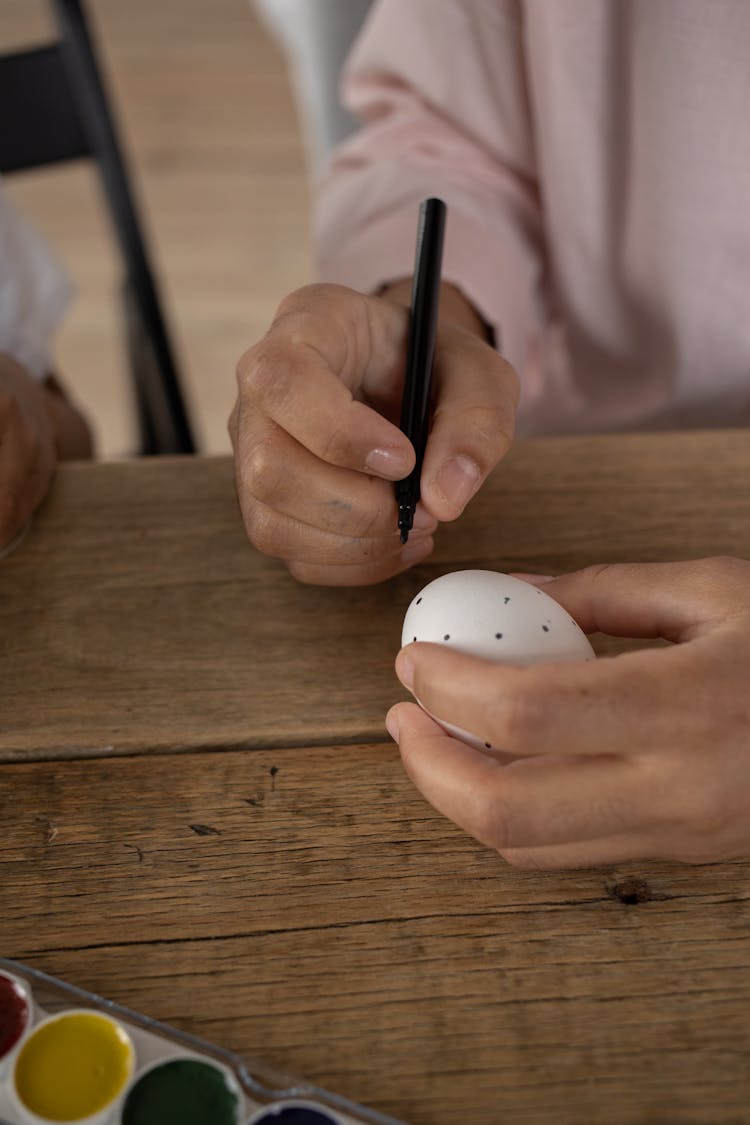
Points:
x=492 y=615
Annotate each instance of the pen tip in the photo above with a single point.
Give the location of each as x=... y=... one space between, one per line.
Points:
x=404 y=534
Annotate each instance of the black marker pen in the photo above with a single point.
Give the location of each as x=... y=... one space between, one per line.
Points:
x=415 y=406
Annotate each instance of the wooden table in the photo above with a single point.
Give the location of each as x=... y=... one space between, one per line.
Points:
x=204 y=819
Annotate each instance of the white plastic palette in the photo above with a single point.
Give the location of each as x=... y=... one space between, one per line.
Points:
x=154 y=1061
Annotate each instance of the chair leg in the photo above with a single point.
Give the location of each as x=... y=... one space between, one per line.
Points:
x=158 y=388
x=140 y=358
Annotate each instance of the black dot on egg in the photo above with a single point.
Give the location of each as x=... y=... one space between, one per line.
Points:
x=414 y=638
x=506 y=599
x=546 y=628
x=418 y=600
x=447 y=637
x=498 y=636
x=488 y=745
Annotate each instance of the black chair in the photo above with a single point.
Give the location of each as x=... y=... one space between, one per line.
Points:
x=53 y=107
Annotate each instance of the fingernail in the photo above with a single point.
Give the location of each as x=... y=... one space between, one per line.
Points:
x=458 y=480
x=405 y=669
x=391 y=725
x=533 y=579
x=390 y=463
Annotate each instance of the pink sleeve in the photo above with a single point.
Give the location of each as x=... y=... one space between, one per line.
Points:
x=441 y=90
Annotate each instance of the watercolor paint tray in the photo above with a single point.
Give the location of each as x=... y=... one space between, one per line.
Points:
x=42 y=1018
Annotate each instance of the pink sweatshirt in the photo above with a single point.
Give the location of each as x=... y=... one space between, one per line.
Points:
x=595 y=159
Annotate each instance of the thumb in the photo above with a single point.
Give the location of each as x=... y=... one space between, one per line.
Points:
x=476 y=394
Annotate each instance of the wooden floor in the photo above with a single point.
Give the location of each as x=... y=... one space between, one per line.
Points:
x=209 y=125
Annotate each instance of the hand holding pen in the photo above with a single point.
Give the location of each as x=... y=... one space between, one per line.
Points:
x=318 y=449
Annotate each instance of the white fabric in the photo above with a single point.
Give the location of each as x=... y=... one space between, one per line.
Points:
x=316 y=36
x=35 y=291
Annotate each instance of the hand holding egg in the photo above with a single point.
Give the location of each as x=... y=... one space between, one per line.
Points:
x=645 y=754
x=495 y=616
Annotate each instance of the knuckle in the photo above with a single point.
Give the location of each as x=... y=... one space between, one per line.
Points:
x=244 y=366
x=263 y=531
x=489 y=422
x=263 y=376
x=492 y=819
x=370 y=521
x=262 y=471
x=597 y=570
x=307 y=298
x=334 y=447
x=293 y=303
x=516 y=718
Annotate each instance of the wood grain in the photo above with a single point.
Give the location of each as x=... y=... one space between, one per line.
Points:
x=306 y=907
x=136 y=618
x=270 y=880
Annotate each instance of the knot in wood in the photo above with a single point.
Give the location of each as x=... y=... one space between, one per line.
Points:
x=631 y=891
